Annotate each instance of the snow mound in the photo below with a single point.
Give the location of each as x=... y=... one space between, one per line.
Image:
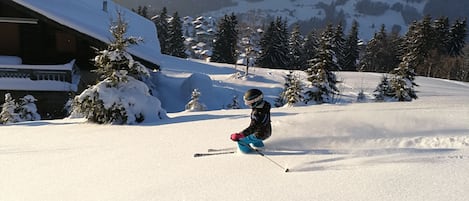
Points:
x=202 y=82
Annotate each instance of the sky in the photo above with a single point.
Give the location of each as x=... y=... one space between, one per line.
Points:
x=344 y=151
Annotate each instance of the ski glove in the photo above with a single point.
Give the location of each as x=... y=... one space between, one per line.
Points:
x=236 y=136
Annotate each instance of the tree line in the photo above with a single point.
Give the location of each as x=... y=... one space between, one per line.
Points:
x=437 y=45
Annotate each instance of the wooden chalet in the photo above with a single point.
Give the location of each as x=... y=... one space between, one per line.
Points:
x=47 y=47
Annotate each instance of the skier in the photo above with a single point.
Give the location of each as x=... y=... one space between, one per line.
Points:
x=260 y=128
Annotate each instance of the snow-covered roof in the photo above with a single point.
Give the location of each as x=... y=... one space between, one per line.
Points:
x=88 y=17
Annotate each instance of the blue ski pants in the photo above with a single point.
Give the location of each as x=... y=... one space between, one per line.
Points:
x=243 y=143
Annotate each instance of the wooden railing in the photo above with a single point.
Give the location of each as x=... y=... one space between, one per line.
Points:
x=61 y=73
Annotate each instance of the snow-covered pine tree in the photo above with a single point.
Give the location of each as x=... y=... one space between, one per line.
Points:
x=175 y=41
x=226 y=39
x=162 y=27
x=9 y=107
x=351 y=49
x=292 y=92
x=234 y=104
x=120 y=98
x=402 y=81
x=339 y=47
x=383 y=90
x=323 y=80
x=274 y=46
x=27 y=110
x=297 y=53
x=194 y=104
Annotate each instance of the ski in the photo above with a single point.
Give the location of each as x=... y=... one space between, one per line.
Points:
x=213 y=153
x=222 y=149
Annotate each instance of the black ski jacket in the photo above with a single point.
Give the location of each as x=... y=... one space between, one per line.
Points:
x=260 y=122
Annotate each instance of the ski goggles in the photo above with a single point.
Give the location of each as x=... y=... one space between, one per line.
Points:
x=251 y=102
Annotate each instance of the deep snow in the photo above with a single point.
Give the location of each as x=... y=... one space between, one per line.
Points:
x=346 y=151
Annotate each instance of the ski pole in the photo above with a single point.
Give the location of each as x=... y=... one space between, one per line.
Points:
x=263 y=155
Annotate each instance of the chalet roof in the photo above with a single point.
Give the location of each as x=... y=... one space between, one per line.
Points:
x=89 y=17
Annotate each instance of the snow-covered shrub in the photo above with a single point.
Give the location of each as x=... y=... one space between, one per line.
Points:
x=121 y=98
x=194 y=104
x=361 y=97
x=126 y=103
x=27 y=109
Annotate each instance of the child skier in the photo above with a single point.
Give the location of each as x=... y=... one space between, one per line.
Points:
x=260 y=128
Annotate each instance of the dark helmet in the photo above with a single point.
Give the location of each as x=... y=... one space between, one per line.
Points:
x=253 y=97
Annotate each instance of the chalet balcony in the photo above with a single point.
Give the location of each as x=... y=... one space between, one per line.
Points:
x=62 y=77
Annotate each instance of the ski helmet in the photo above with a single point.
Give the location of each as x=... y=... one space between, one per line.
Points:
x=253 y=97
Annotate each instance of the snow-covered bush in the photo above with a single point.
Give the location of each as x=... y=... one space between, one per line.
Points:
x=194 y=104
x=125 y=103
x=361 y=97
x=121 y=98
x=25 y=110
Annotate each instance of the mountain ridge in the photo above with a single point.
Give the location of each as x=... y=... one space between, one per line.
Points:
x=370 y=14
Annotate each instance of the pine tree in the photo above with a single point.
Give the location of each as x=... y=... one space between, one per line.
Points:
x=162 y=28
x=323 y=80
x=381 y=53
x=224 y=48
x=339 y=47
x=115 y=62
x=457 y=38
x=311 y=46
x=9 y=107
x=383 y=91
x=120 y=74
x=351 y=50
x=402 y=81
x=175 y=41
x=292 y=92
x=297 y=54
x=274 y=46
x=194 y=104
x=234 y=104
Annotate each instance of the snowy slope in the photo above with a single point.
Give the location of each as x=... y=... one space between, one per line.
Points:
x=350 y=151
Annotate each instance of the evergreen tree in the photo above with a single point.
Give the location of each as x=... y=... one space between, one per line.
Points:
x=274 y=46
x=162 y=28
x=115 y=62
x=120 y=74
x=194 y=104
x=339 y=46
x=292 y=92
x=234 y=104
x=351 y=49
x=297 y=54
x=311 y=46
x=457 y=38
x=224 y=48
x=9 y=107
x=383 y=91
x=175 y=41
x=381 y=53
x=402 y=81
x=323 y=80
